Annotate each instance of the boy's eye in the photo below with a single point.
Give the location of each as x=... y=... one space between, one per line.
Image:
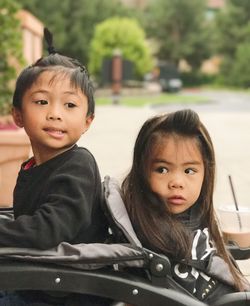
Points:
x=162 y=170
x=41 y=102
x=70 y=105
x=190 y=171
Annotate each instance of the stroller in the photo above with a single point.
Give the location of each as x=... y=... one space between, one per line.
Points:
x=105 y=270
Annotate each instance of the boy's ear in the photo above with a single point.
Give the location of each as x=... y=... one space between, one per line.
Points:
x=88 y=122
x=17 y=116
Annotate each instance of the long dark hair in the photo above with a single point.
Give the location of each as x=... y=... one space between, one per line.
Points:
x=156 y=227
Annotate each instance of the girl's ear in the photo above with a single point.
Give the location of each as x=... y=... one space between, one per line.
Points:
x=17 y=116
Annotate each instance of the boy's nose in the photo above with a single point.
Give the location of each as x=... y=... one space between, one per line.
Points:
x=53 y=117
x=54 y=114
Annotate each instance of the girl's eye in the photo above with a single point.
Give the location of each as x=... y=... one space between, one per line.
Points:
x=162 y=170
x=70 y=105
x=41 y=102
x=190 y=171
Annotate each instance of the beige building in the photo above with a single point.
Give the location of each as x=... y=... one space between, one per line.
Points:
x=32 y=32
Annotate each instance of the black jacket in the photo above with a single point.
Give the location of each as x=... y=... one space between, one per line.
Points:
x=59 y=200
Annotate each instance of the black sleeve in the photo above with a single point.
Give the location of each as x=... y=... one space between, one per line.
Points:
x=68 y=199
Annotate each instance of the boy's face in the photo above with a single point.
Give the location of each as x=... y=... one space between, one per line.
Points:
x=53 y=114
x=177 y=172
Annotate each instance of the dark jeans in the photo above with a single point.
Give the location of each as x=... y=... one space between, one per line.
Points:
x=11 y=299
x=14 y=299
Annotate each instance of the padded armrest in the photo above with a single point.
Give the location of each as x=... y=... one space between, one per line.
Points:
x=118 y=286
x=234 y=299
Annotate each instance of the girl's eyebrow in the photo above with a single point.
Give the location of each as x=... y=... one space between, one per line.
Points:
x=192 y=162
x=163 y=161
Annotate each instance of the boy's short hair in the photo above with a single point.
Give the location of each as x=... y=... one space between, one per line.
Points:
x=55 y=62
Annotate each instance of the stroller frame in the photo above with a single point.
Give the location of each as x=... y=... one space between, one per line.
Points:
x=115 y=285
x=23 y=269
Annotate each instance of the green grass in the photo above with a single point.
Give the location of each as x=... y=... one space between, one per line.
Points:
x=154 y=99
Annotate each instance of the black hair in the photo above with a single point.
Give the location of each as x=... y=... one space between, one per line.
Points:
x=142 y=202
x=70 y=67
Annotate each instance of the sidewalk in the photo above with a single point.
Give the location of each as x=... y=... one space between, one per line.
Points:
x=112 y=135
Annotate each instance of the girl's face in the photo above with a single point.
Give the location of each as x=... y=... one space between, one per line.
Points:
x=176 y=172
x=53 y=114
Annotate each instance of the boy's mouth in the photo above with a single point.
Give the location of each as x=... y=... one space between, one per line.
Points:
x=55 y=132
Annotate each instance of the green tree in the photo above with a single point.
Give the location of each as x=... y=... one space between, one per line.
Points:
x=73 y=22
x=233 y=35
x=233 y=26
x=10 y=51
x=124 y=34
x=180 y=30
x=240 y=69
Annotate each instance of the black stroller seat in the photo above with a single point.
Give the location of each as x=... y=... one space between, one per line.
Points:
x=104 y=270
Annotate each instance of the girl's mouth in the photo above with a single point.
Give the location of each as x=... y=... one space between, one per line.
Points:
x=175 y=200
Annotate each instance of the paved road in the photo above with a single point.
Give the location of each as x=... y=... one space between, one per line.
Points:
x=217 y=101
x=227 y=117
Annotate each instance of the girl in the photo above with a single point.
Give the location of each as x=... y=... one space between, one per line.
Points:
x=169 y=197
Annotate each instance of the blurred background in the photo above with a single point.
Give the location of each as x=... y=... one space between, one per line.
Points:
x=165 y=54
x=163 y=45
x=144 y=57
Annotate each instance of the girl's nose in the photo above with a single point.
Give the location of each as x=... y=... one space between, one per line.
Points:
x=175 y=183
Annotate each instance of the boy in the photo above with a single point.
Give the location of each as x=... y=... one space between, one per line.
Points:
x=57 y=196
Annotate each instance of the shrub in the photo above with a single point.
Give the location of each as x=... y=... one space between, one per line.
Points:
x=124 y=34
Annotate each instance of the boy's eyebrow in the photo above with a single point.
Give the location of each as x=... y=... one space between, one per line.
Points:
x=39 y=90
x=70 y=92
x=47 y=91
